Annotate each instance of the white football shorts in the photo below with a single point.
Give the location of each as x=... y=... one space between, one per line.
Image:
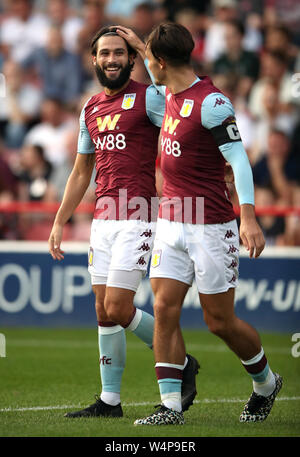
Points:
x=207 y=253
x=120 y=251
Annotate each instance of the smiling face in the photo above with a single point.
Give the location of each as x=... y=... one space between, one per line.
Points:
x=112 y=62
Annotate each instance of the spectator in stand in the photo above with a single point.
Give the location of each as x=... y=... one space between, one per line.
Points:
x=223 y=11
x=35 y=172
x=8 y=193
x=59 y=70
x=93 y=20
x=51 y=131
x=121 y=11
x=170 y=8
x=278 y=38
x=19 y=108
x=274 y=118
x=240 y=65
x=214 y=44
x=35 y=185
x=292 y=222
x=285 y=13
x=274 y=68
x=277 y=169
x=68 y=21
x=142 y=19
x=192 y=19
x=22 y=30
x=273 y=227
x=8 y=180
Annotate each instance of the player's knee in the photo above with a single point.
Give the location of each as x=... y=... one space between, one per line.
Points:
x=118 y=312
x=163 y=309
x=100 y=311
x=218 y=327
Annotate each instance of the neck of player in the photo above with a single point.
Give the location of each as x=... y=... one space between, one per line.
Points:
x=179 y=79
x=111 y=92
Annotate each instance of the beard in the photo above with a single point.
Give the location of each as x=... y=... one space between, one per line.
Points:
x=118 y=82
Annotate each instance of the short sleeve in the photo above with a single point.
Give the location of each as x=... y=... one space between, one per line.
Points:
x=155 y=106
x=85 y=144
x=216 y=107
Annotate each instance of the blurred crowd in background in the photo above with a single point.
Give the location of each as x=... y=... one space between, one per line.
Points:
x=250 y=49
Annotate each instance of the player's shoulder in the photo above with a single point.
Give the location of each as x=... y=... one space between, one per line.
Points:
x=215 y=108
x=91 y=105
x=137 y=86
x=205 y=92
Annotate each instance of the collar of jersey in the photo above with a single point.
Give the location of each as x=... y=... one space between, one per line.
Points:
x=195 y=82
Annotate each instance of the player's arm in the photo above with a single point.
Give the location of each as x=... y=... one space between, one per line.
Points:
x=155 y=106
x=75 y=189
x=217 y=115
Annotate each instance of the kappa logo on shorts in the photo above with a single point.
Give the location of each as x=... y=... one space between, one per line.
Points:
x=156 y=256
x=232 y=249
x=91 y=256
x=145 y=247
x=141 y=261
x=147 y=233
x=128 y=101
x=229 y=234
x=233 y=264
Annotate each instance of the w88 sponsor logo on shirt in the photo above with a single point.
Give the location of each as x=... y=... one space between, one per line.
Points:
x=110 y=142
x=170 y=146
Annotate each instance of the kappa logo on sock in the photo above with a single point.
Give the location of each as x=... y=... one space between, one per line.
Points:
x=105 y=360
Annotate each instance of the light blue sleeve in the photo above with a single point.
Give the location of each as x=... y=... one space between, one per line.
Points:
x=161 y=89
x=155 y=106
x=243 y=178
x=84 y=144
x=215 y=109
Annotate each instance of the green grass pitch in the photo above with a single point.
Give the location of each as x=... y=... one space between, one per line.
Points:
x=47 y=372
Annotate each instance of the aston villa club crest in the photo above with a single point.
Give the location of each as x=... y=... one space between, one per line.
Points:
x=187 y=108
x=156 y=256
x=128 y=101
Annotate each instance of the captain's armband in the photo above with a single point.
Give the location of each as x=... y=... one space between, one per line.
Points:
x=227 y=132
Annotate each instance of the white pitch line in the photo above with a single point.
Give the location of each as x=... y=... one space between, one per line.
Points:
x=65 y=344
x=146 y=403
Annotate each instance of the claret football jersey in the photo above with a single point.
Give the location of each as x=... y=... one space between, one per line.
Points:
x=193 y=167
x=122 y=130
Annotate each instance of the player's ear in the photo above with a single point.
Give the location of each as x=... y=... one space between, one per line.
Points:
x=162 y=63
x=94 y=60
x=131 y=58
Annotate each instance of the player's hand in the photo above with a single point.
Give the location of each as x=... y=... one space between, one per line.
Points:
x=252 y=237
x=132 y=39
x=54 y=242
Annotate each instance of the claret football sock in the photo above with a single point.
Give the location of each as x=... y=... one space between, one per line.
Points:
x=142 y=325
x=264 y=381
x=112 y=349
x=169 y=378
